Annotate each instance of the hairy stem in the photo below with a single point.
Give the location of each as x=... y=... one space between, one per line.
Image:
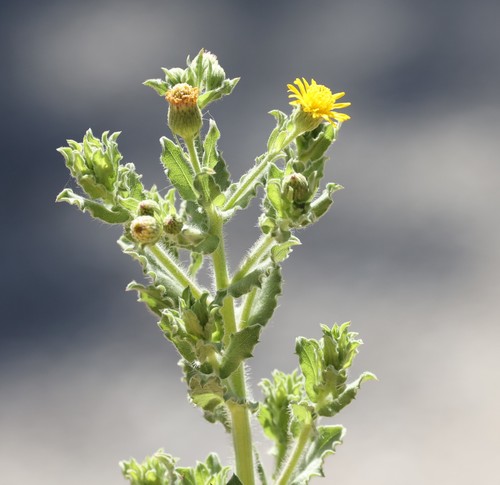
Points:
x=240 y=418
x=175 y=270
x=294 y=458
x=254 y=256
x=248 y=182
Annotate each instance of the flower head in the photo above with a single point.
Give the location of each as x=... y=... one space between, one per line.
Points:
x=317 y=101
x=184 y=115
x=182 y=95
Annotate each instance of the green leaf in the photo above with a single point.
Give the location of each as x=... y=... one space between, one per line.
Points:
x=210 y=158
x=321 y=205
x=274 y=411
x=159 y=85
x=110 y=215
x=207 y=189
x=178 y=169
x=206 y=393
x=324 y=442
x=158 y=469
x=347 y=396
x=281 y=251
x=240 y=347
x=246 y=284
x=222 y=176
x=309 y=352
x=151 y=267
x=275 y=196
x=261 y=472
x=312 y=145
x=266 y=299
x=210 y=96
x=196 y=263
x=234 y=481
x=156 y=298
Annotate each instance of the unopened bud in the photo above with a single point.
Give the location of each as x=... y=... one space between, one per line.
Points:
x=184 y=115
x=145 y=230
x=299 y=185
x=148 y=207
x=172 y=225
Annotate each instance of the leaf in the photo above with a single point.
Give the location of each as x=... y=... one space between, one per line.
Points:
x=210 y=146
x=325 y=440
x=178 y=169
x=110 y=215
x=160 y=86
x=312 y=145
x=261 y=472
x=275 y=197
x=234 y=481
x=207 y=394
x=281 y=251
x=155 y=297
x=266 y=299
x=240 y=347
x=196 y=263
x=321 y=205
x=151 y=267
x=347 y=396
x=309 y=353
x=207 y=189
x=222 y=176
x=210 y=96
x=246 y=284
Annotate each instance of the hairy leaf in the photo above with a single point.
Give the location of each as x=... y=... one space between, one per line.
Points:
x=240 y=347
x=110 y=215
x=324 y=442
x=309 y=352
x=178 y=169
x=266 y=299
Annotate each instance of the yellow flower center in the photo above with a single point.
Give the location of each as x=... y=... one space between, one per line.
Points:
x=317 y=100
x=182 y=95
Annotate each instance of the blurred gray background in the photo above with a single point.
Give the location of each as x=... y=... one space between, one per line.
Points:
x=409 y=253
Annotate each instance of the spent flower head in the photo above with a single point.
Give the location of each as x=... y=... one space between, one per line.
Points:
x=184 y=115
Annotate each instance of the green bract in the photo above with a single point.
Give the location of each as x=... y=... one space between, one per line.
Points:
x=215 y=331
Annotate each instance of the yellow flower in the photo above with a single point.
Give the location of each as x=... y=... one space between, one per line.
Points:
x=317 y=100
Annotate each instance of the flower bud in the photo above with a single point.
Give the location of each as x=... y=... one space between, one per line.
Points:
x=172 y=225
x=184 y=115
x=145 y=230
x=215 y=74
x=299 y=185
x=148 y=207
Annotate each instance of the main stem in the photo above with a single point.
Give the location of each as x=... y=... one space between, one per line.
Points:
x=240 y=418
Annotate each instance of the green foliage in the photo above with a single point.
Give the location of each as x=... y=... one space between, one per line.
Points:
x=275 y=411
x=325 y=365
x=323 y=443
x=160 y=469
x=216 y=331
x=203 y=72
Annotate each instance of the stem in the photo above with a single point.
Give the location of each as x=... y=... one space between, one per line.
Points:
x=296 y=454
x=255 y=255
x=242 y=441
x=240 y=418
x=193 y=155
x=170 y=265
x=251 y=178
x=247 y=306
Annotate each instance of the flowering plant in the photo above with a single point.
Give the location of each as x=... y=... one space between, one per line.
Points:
x=215 y=332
